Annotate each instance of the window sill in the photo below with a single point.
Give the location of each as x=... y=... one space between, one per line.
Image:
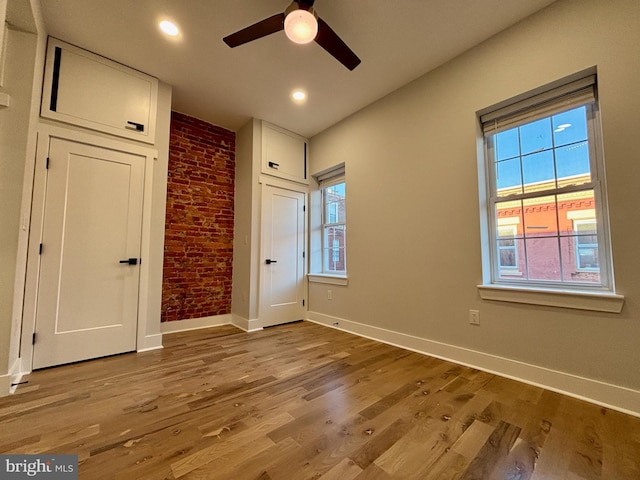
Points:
x=326 y=278
x=595 y=301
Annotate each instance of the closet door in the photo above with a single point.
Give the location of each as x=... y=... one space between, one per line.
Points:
x=87 y=304
x=282 y=272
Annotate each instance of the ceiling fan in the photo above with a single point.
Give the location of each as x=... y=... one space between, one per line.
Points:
x=301 y=25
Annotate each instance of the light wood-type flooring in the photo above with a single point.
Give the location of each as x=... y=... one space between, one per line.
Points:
x=302 y=401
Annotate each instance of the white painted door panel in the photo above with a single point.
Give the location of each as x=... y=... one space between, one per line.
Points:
x=282 y=280
x=87 y=300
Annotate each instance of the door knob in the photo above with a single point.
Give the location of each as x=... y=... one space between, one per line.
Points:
x=269 y=261
x=130 y=261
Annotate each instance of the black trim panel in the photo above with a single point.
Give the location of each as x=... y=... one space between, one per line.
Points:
x=53 y=105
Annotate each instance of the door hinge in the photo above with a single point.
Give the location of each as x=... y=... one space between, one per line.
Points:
x=40 y=250
x=304 y=208
x=303 y=302
x=302 y=254
x=47 y=164
x=33 y=338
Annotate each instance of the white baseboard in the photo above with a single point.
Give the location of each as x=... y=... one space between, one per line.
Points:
x=5 y=385
x=150 y=342
x=195 y=323
x=9 y=381
x=623 y=399
x=248 y=325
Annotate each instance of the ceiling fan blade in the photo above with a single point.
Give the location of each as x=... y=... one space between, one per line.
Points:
x=332 y=43
x=257 y=30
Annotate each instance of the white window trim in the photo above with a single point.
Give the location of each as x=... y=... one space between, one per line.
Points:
x=328 y=279
x=594 y=301
x=325 y=178
x=328 y=249
x=584 y=297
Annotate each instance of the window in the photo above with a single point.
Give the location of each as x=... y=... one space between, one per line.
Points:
x=507 y=251
x=334 y=227
x=586 y=245
x=545 y=201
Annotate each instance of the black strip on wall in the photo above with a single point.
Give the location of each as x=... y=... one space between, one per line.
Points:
x=53 y=105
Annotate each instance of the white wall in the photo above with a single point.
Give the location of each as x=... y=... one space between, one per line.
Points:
x=413 y=210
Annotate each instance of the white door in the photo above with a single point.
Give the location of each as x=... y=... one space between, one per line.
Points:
x=88 y=288
x=282 y=270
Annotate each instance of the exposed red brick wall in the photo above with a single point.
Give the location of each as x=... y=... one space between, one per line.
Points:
x=198 y=242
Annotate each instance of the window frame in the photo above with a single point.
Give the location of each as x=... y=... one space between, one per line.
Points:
x=525 y=110
x=328 y=251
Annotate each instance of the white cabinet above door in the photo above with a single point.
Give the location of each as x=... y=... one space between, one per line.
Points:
x=85 y=89
x=284 y=154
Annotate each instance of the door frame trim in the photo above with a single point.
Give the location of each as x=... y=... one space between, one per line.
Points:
x=47 y=132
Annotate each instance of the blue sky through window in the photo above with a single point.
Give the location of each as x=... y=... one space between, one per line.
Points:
x=552 y=147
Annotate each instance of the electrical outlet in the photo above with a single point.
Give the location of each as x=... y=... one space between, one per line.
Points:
x=329 y=294
x=474 y=317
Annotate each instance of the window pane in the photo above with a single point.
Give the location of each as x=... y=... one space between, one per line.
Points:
x=570 y=127
x=543 y=259
x=334 y=249
x=540 y=218
x=508 y=177
x=536 y=136
x=577 y=213
x=512 y=264
x=538 y=171
x=587 y=231
x=588 y=258
x=508 y=254
x=507 y=144
x=508 y=218
x=572 y=164
x=580 y=262
x=334 y=203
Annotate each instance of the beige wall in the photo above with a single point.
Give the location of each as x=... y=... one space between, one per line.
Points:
x=18 y=126
x=414 y=256
x=246 y=247
x=14 y=124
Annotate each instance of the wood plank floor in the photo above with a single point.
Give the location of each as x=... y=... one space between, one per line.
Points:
x=302 y=401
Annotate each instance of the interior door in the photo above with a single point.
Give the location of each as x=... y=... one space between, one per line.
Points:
x=89 y=262
x=282 y=271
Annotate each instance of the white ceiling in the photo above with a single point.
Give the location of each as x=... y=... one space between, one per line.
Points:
x=397 y=41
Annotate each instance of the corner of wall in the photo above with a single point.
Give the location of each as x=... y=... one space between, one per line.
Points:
x=248 y=325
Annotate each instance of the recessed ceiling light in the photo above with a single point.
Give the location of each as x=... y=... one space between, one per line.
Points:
x=299 y=96
x=169 y=28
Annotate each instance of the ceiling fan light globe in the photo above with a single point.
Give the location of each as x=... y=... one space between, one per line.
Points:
x=300 y=26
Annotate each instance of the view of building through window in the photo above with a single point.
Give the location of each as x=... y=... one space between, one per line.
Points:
x=334 y=229
x=544 y=200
